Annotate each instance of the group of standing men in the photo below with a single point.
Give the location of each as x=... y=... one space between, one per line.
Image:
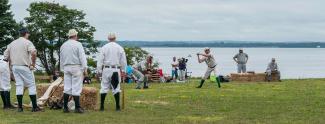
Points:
x=20 y=57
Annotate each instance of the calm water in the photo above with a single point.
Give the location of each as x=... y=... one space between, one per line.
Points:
x=293 y=62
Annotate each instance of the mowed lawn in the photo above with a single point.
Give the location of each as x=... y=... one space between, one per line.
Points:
x=290 y=101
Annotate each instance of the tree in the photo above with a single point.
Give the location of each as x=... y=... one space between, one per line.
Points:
x=49 y=24
x=135 y=54
x=8 y=26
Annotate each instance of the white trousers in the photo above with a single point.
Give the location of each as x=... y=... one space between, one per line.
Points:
x=182 y=75
x=138 y=75
x=24 y=78
x=208 y=72
x=4 y=77
x=73 y=80
x=107 y=82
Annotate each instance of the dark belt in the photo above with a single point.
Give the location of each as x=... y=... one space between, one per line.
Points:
x=21 y=65
x=213 y=66
x=71 y=64
x=118 y=67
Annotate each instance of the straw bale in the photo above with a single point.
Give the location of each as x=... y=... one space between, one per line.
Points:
x=88 y=98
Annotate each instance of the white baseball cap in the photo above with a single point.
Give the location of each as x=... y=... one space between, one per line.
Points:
x=206 y=48
x=111 y=36
x=72 y=32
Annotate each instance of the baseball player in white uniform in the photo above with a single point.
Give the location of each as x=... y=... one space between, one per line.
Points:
x=111 y=63
x=5 y=83
x=208 y=58
x=21 y=54
x=73 y=63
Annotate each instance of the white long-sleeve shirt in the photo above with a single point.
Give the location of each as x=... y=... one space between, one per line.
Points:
x=72 y=53
x=111 y=54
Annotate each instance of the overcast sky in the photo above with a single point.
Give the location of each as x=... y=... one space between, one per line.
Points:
x=267 y=20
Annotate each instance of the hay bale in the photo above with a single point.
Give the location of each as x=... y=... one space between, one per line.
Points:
x=275 y=77
x=41 y=89
x=248 y=77
x=88 y=98
x=58 y=91
x=240 y=77
x=259 y=77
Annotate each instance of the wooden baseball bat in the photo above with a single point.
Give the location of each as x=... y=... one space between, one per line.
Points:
x=123 y=97
x=123 y=92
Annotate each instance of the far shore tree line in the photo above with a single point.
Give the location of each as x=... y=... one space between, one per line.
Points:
x=49 y=23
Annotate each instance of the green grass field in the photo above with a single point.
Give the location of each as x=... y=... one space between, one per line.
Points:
x=290 y=101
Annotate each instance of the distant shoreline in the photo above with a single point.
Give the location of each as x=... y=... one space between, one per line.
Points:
x=220 y=44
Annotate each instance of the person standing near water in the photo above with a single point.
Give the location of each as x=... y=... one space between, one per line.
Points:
x=174 y=68
x=208 y=58
x=182 y=69
x=241 y=59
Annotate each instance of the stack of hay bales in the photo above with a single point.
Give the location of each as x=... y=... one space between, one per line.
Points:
x=248 y=77
x=88 y=98
x=240 y=77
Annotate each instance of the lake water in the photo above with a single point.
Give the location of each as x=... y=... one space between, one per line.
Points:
x=294 y=63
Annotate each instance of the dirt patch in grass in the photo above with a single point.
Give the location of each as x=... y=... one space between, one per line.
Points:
x=200 y=118
x=152 y=102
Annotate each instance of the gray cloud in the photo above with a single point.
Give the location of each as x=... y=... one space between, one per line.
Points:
x=276 y=20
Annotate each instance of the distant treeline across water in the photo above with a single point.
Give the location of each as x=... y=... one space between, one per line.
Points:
x=220 y=44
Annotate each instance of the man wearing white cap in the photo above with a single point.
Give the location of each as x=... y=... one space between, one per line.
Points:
x=73 y=63
x=5 y=83
x=241 y=59
x=21 y=54
x=272 y=68
x=111 y=63
x=208 y=58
